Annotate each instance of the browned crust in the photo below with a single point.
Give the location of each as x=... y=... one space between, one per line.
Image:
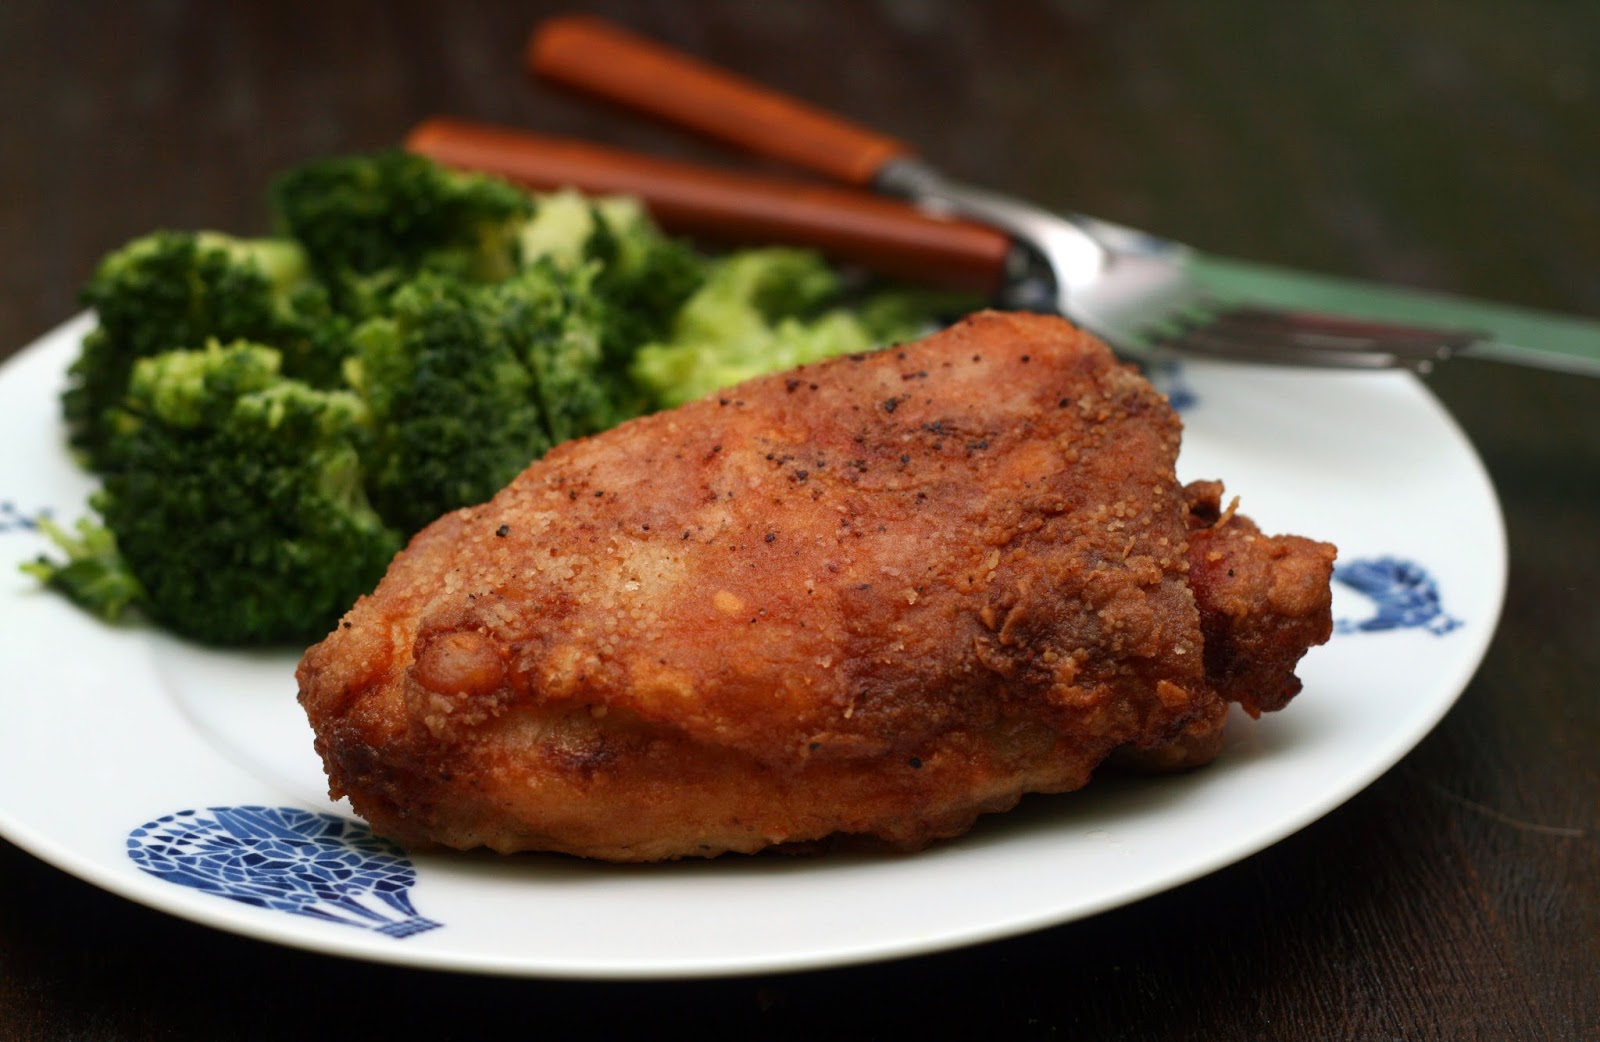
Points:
x=880 y=595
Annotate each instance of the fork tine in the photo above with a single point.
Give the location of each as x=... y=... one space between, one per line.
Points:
x=1320 y=329
x=1276 y=351
x=1141 y=293
x=1314 y=339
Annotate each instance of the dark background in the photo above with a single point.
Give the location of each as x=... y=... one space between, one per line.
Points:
x=1445 y=145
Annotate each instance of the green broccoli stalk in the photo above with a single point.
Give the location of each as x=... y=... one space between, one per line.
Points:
x=469 y=384
x=175 y=290
x=94 y=576
x=371 y=223
x=237 y=499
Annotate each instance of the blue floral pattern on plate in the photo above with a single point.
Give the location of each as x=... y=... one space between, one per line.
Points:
x=14 y=520
x=1167 y=376
x=317 y=865
x=1405 y=595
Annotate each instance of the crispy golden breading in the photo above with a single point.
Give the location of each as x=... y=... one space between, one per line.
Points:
x=879 y=596
x=1263 y=601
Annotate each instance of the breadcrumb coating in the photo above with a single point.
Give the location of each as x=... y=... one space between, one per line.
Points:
x=877 y=596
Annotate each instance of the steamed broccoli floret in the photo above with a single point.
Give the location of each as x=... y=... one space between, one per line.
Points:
x=557 y=322
x=237 y=498
x=641 y=276
x=370 y=223
x=172 y=290
x=469 y=384
x=94 y=576
x=452 y=402
x=759 y=311
x=560 y=228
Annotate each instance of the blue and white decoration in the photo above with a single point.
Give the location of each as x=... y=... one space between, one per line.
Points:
x=1167 y=376
x=14 y=520
x=1405 y=595
x=317 y=865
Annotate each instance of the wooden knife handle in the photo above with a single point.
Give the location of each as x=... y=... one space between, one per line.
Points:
x=853 y=227
x=606 y=61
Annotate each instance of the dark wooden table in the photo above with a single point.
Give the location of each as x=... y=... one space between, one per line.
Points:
x=1445 y=145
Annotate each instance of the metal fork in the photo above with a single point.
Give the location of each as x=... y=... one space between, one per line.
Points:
x=1137 y=292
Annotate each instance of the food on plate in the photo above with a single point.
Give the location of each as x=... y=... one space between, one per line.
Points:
x=170 y=290
x=876 y=596
x=764 y=310
x=369 y=223
x=474 y=325
x=467 y=384
x=221 y=460
x=94 y=574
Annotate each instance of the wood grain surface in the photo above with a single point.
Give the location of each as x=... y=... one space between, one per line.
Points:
x=1445 y=145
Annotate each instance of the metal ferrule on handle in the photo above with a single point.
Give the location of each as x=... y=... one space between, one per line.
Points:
x=1073 y=256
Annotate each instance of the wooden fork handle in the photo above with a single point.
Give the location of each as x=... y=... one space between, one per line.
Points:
x=604 y=60
x=854 y=227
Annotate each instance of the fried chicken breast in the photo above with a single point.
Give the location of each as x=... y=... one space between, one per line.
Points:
x=876 y=596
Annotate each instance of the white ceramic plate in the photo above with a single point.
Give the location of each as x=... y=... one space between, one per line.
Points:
x=131 y=760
